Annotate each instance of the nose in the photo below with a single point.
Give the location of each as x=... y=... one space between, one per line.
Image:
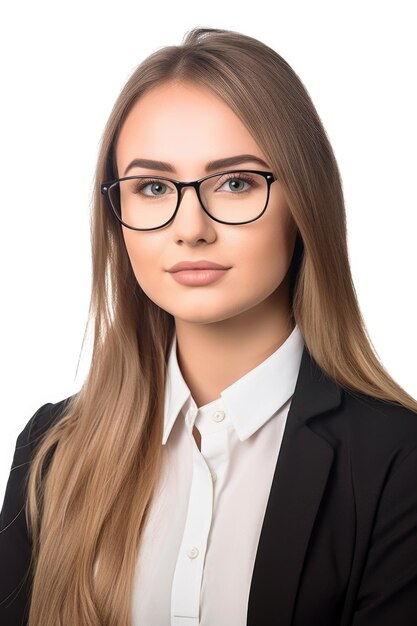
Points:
x=191 y=222
x=192 y=201
x=187 y=188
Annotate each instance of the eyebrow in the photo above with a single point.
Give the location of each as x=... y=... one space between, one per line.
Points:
x=210 y=167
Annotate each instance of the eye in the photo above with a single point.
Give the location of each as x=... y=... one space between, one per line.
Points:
x=237 y=179
x=158 y=187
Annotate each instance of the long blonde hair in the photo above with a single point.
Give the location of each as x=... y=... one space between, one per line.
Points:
x=94 y=500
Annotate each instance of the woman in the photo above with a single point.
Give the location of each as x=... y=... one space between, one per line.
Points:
x=285 y=488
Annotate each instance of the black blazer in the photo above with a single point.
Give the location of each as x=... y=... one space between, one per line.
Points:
x=338 y=545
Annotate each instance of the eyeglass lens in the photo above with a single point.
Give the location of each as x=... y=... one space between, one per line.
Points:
x=146 y=202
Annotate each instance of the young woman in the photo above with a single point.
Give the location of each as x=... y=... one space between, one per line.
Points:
x=237 y=454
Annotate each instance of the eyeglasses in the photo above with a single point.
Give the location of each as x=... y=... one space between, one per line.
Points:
x=151 y=202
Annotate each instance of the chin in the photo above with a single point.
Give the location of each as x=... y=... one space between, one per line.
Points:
x=200 y=317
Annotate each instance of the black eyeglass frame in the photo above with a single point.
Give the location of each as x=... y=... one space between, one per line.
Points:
x=106 y=186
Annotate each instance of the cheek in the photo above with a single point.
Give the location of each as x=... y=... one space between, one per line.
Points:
x=143 y=258
x=267 y=255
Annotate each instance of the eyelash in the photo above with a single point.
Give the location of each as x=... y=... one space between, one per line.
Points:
x=241 y=176
x=246 y=177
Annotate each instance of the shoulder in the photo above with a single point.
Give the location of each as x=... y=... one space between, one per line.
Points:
x=15 y=542
x=374 y=414
x=379 y=429
x=26 y=442
x=45 y=416
x=367 y=430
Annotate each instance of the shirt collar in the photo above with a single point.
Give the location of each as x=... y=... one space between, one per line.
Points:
x=252 y=399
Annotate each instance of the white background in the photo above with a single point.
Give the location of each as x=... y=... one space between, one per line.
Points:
x=62 y=68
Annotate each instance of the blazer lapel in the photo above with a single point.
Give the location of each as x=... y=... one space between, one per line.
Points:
x=301 y=473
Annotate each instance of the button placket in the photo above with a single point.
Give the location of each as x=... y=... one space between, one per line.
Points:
x=188 y=572
x=190 y=561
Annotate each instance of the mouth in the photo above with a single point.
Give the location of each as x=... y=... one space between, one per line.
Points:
x=203 y=276
x=202 y=264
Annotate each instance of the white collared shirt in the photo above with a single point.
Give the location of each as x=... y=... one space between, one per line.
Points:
x=198 y=550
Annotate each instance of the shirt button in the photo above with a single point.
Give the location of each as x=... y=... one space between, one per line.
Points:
x=214 y=476
x=218 y=416
x=193 y=553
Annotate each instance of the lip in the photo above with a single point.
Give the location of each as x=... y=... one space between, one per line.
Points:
x=202 y=264
x=198 y=276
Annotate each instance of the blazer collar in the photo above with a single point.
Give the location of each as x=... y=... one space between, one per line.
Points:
x=302 y=470
x=315 y=393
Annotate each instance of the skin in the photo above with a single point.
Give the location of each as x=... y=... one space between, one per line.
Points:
x=226 y=328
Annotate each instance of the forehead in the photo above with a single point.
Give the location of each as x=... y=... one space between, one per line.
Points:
x=183 y=124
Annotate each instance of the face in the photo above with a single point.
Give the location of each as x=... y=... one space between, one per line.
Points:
x=188 y=126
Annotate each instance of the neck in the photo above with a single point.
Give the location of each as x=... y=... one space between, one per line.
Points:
x=213 y=356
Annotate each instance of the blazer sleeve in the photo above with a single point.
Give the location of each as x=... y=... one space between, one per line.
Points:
x=388 y=589
x=15 y=544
